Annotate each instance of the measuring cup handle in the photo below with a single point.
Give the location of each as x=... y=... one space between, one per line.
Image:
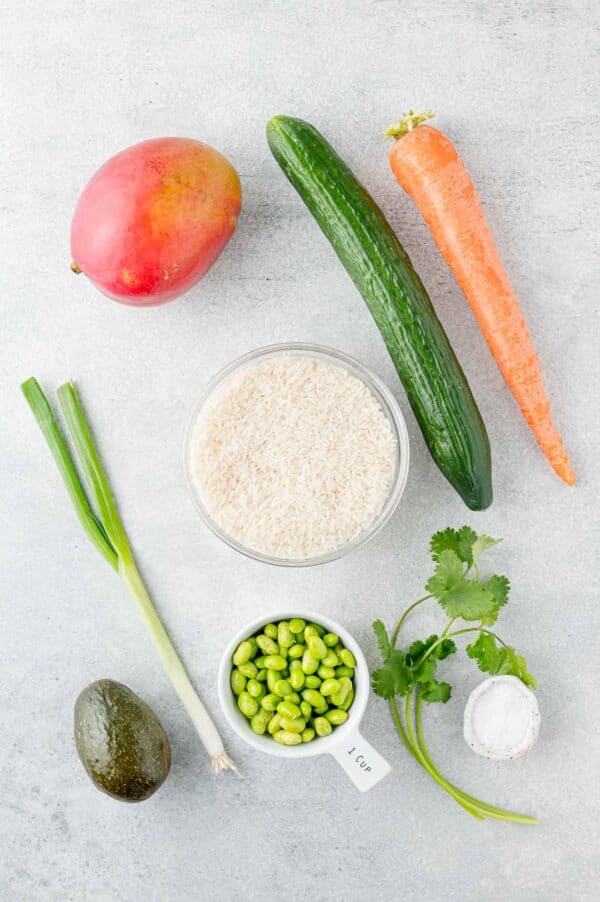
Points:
x=363 y=764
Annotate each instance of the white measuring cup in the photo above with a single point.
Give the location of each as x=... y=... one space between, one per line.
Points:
x=363 y=764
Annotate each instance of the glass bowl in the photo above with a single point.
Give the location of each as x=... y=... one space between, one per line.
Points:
x=390 y=409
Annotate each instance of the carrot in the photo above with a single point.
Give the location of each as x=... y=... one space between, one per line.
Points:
x=429 y=169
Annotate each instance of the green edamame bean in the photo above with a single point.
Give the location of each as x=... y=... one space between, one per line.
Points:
x=284 y=737
x=312 y=682
x=326 y=673
x=289 y=710
x=297 y=679
x=238 y=681
x=266 y=645
x=259 y=662
x=330 y=687
x=270 y=630
x=247 y=705
x=273 y=677
x=339 y=696
x=275 y=662
x=261 y=676
x=296 y=650
x=308 y=734
x=297 y=625
x=293 y=726
x=292 y=697
x=252 y=642
x=320 y=711
x=344 y=671
x=249 y=670
x=296 y=665
x=305 y=710
x=331 y=640
x=274 y=724
x=260 y=722
x=309 y=662
x=330 y=660
x=322 y=726
x=320 y=631
x=243 y=653
x=314 y=698
x=255 y=689
x=308 y=632
x=336 y=716
x=269 y=702
x=347 y=658
x=282 y=688
x=285 y=637
x=317 y=647
x=349 y=699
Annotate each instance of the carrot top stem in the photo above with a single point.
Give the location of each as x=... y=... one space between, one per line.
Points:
x=409 y=121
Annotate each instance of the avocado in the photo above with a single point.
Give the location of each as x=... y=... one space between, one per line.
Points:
x=120 y=741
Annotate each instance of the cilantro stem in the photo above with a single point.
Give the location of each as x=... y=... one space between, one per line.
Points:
x=448 y=626
x=489 y=810
x=400 y=728
x=430 y=768
x=405 y=615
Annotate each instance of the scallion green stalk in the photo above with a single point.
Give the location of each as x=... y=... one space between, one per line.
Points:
x=108 y=534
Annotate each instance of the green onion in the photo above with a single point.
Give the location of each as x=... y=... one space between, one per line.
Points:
x=107 y=532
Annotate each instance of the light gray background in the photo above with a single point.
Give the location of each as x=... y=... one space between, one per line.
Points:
x=515 y=86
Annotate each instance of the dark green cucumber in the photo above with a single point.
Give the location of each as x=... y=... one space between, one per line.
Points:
x=364 y=241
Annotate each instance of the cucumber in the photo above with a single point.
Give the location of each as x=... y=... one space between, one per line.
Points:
x=436 y=386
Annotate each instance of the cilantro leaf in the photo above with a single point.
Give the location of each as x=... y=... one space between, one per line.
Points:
x=383 y=641
x=418 y=649
x=460 y=541
x=424 y=671
x=437 y=692
x=459 y=596
x=499 y=587
x=449 y=572
x=481 y=544
x=499 y=659
x=516 y=665
x=393 y=678
x=485 y=651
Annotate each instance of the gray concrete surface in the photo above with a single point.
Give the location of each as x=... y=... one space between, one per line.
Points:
x=515 y=85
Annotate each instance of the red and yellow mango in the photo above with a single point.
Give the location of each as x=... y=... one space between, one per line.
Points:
x=154 y=219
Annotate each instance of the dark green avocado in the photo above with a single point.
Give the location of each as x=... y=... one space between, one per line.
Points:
x=120 y=741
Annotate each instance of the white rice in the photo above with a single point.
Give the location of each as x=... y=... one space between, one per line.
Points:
x=293 y=456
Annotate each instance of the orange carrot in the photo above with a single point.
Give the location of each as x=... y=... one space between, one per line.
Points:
x=430 y=170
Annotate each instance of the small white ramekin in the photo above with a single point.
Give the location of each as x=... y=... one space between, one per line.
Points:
x=390 y=408
x=363 y=764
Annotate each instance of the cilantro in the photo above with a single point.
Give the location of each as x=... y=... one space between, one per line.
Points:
x=460 y=541
x=464 y=594
x=498 y=659
x=383 y=640
x=480 y=544
x=437 y=692
x=401 y=672
x=459 y=596
x=393 y=678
